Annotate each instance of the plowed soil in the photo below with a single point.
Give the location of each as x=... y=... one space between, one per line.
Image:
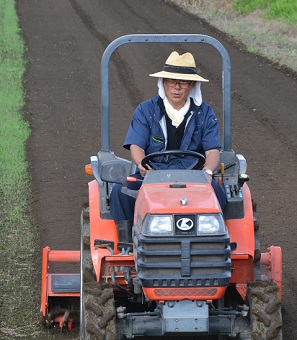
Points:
x=65 y=41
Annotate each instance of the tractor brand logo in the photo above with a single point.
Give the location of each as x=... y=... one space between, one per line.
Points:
x=184 y=224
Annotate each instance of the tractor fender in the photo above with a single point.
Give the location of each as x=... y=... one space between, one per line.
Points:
x=100 y=229
x=242 y=230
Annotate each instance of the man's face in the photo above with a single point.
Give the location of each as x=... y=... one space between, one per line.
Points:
x=177 y=91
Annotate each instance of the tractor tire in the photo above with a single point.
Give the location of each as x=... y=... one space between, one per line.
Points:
x=97 y=310
x=265 y=311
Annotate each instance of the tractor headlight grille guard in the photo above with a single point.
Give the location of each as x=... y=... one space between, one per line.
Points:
x=185 y=258
x=183 y=225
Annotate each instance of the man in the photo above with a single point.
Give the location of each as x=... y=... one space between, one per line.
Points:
x=175 y=119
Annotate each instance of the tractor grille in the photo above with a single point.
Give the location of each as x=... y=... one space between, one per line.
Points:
x=183 y=261
x=187 y=292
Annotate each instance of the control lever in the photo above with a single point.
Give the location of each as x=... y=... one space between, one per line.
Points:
x=242 y=178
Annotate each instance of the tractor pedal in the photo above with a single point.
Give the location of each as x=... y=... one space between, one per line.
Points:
x=103 y=244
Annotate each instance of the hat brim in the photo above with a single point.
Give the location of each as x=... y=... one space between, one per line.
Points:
x=180 y=76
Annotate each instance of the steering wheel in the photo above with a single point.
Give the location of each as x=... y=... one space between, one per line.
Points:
x=198 y=165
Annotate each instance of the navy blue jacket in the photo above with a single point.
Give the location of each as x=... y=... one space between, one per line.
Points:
x=201 y=131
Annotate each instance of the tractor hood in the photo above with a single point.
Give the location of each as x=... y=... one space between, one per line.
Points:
x=165 y=192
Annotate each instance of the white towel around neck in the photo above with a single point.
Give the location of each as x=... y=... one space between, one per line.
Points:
x=177 y=116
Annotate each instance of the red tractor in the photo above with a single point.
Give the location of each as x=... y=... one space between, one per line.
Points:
x=192 y=269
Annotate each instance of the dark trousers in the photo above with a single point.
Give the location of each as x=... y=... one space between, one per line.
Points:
x=122 y=205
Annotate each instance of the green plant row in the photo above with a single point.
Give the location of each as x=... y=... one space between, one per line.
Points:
x=285 y=10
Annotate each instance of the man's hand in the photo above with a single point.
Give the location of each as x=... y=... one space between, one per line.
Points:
x=137 y=154
x=144 y=170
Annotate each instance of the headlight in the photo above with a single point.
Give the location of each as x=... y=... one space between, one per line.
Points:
x=158 y=225
x=210 y=224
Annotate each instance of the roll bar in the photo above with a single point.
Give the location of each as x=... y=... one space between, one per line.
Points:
x=165 y=38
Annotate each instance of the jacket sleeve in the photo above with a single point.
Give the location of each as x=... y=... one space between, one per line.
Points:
x=211 y=134
x=139 y=129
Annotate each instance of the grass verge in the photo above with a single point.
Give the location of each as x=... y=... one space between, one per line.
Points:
x=17 y=279
x=250 y=23
x=285 y=10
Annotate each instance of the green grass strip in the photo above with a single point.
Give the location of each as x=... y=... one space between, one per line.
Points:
x=17 y=286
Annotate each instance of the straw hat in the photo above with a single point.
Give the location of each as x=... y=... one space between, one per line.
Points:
x=181 y=67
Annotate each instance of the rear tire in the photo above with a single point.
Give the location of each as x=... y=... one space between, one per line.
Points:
x=265 y=310
x=97 y=310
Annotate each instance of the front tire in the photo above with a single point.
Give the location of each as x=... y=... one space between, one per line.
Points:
x=265 y=311
x=97 y=310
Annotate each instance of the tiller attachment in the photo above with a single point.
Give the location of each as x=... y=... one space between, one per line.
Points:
x=59 y=292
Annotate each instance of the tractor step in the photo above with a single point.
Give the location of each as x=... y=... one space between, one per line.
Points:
x=64 y=283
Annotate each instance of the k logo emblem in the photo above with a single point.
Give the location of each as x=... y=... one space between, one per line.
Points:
x=184 y=224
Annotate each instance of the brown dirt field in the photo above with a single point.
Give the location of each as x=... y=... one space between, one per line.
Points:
x=65 y=41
